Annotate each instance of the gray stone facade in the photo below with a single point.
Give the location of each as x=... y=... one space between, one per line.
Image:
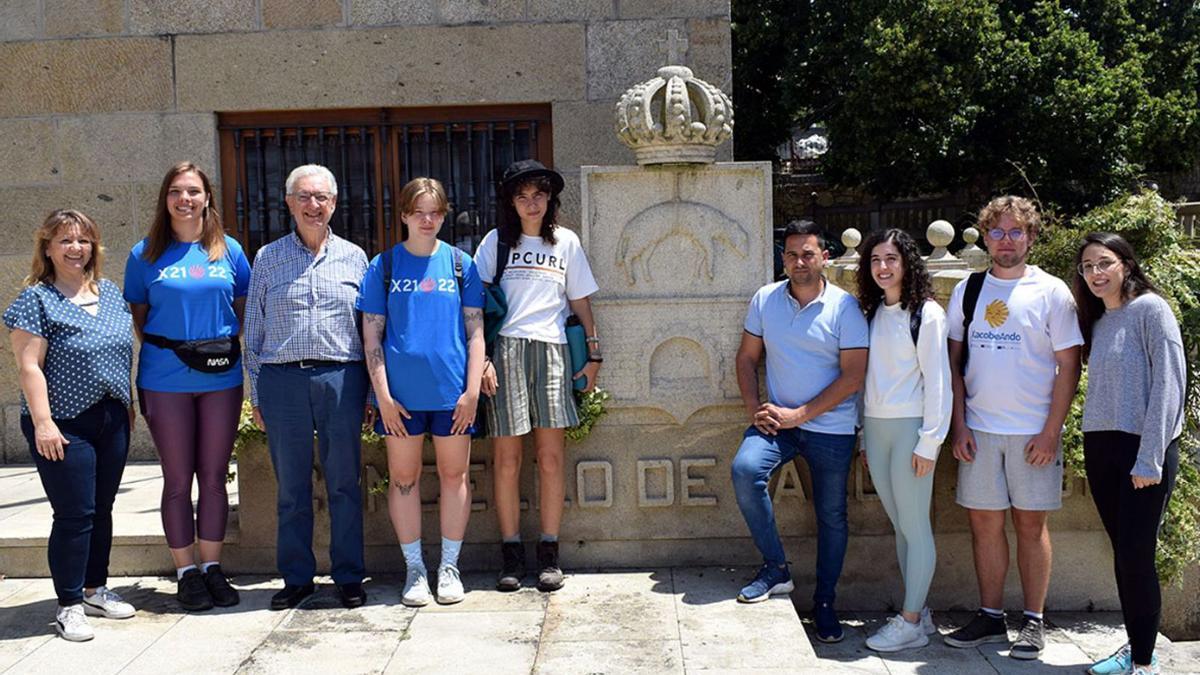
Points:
x=98 y=99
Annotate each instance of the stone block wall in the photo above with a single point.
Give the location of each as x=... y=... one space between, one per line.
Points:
x=98 y=99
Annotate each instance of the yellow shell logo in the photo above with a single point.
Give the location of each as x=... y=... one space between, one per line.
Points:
x=996 y=313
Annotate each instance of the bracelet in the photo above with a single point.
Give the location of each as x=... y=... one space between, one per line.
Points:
x=595 y=359
x=593 y=339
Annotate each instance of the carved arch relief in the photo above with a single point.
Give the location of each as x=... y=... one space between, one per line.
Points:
x=682 y=374
x=708 y=229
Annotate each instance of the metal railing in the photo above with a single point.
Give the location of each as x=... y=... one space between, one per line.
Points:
x=372 y=162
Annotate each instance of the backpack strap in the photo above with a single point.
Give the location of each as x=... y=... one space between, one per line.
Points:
x=914 y=322
x=970 y=300
x=502 y=255
x=458 y=270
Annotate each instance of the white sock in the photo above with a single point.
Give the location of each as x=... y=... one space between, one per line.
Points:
x=450 y=549
x=180 y=571
x=549 y=537
x=994 y=613
x=412 y=555
x=1034 y=615
x=205 y=565
x=515 y=539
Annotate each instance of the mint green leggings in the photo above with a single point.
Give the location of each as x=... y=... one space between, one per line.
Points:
x=890 y=444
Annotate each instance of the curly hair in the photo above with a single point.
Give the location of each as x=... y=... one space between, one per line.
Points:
x=915 y=287
x=1022 y=210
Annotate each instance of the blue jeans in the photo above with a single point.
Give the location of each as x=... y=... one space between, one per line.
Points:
x=81 y=488
x=828 y=457
x=329 y=400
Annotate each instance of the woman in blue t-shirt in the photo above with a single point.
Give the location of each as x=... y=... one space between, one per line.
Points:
x=422 y=310
x=186 y=282
x=74 y=349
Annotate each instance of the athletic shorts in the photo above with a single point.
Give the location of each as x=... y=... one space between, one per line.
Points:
x=534 y=388
x=432 y=422
x=1000 y=476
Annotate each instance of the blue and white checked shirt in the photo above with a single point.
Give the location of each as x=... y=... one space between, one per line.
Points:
x=301 y=305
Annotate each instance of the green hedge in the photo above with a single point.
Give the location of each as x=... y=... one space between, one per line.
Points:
x=1150 y=224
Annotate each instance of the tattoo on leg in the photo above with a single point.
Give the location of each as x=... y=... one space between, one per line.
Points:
x=405 y=490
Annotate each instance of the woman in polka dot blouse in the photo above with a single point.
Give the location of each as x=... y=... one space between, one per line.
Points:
x=74 y=348
x=187 y=281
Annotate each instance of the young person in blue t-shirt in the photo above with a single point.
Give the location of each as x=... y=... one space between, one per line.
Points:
x=187 y=281
x=423 y=339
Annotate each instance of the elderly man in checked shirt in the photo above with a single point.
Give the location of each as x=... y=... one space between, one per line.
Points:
x=305 y=358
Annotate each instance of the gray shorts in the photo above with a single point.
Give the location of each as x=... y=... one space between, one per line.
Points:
x=1000 y=477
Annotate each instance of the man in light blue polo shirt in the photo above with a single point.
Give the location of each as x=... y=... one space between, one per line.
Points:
x=815 y=339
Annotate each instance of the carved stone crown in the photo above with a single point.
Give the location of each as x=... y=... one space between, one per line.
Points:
x=674 y=118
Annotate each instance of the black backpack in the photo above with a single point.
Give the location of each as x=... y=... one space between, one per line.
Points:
x=969 y=301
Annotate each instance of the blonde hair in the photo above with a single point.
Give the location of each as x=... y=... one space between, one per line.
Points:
x=212 y=234
x=42 y=269
x=1022 y=210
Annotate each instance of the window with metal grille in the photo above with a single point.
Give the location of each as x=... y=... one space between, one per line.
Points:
x=373 y=153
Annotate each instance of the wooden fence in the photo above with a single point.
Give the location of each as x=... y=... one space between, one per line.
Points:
x=1189 y=218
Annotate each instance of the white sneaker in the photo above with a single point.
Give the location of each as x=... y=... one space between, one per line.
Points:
x=898 y=634
x=927 y=624
x=107 y=604
x=416 y=588
x=73 y=625
x=450 y=588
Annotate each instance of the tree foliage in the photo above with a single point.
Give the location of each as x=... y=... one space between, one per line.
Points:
x=1076 y=97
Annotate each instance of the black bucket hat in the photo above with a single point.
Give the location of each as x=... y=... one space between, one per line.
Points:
x=527 y=169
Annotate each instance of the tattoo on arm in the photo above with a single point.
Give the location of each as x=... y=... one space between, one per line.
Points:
x=375 y=358
x=405 y=490
x=473 y=318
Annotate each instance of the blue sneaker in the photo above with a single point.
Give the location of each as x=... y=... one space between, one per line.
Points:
x=770 y=580
x=829 y=629
x=1120 y=661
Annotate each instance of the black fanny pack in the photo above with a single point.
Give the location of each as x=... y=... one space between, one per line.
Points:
x=213 y=355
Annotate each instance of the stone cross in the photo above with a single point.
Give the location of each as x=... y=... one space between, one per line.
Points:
x=674 y=47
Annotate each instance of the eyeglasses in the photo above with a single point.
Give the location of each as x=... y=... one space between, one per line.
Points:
x=998 y=233
x=1102 y=267
x=319 y=197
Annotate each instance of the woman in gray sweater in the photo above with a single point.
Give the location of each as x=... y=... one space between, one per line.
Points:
x=1132 y=419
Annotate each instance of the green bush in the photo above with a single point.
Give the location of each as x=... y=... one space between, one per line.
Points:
x=1149 y=223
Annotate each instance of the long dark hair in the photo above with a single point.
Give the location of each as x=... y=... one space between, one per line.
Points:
x=915 y=288
x=509 y=225
x=212 y=235
x=1090 y=308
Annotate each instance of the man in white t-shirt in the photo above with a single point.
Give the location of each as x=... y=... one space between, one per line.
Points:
x=1021 y=353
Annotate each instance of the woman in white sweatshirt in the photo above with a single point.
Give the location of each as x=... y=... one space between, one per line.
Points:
x=906 y=411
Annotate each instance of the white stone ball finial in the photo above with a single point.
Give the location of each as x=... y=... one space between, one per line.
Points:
x=970 y=235
x=851 y=238
x=939 y=233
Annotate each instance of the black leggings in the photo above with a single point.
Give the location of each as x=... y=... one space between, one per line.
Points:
x=1132 y=519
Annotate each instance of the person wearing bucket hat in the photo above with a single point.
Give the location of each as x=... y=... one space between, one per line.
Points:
x=545 y=276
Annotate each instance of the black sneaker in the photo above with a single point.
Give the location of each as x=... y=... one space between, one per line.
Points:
x=291 y=596
x=222 y=594
x=550 y=576
x=1031 y=641
x=513 y=569
x=983 y=628
x=352 y=595
x=192 y=593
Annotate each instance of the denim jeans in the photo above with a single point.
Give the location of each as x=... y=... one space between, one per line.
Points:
x=81 y=488
x=828 y=457
x=329 y=400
